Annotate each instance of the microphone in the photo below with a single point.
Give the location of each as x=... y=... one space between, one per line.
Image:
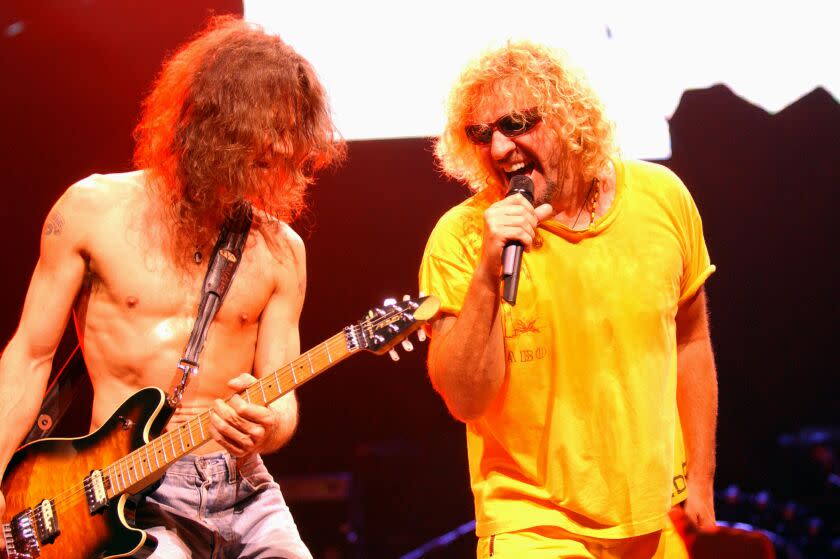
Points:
x=512 y=253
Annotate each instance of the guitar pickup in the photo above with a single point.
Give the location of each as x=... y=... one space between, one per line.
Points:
x=97 y=497
x=46 y=522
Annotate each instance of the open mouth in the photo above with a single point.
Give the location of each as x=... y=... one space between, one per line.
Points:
x=524 y=169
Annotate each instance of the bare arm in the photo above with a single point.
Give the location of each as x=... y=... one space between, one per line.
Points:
x=697 y=402
x=244 y=428
x=279 y=339
x=27 y=360
x=466 y=356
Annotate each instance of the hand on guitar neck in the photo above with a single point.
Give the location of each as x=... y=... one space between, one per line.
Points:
x=243 y=428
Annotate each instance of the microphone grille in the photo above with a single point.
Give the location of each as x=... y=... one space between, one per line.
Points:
x=523 y=185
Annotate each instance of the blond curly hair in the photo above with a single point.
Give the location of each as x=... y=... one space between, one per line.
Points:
x=568 y=105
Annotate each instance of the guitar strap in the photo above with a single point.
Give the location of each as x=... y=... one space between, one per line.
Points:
x=223 y=264
x=69 y=384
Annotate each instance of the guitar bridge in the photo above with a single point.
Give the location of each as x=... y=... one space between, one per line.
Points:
x=21 y=540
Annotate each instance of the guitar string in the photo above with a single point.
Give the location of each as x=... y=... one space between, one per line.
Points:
x=122 y=468
x=64 y=498
x=128 y=463
x=114 y=470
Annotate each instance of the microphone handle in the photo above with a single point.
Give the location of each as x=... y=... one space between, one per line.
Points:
x=511 y=263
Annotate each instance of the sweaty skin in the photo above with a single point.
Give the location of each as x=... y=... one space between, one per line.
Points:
x=104 y=258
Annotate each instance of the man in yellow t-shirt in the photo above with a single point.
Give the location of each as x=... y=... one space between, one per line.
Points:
x=569 y=394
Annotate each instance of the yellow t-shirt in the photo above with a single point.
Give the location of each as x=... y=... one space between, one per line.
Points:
x=679 y=485
x=581 y=434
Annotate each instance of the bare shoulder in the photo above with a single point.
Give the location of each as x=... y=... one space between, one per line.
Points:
x=284 y=251
x=284 y=245
x=96 y=194
x=87 y=202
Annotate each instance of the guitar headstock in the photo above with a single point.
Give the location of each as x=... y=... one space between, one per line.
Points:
x=391 y=323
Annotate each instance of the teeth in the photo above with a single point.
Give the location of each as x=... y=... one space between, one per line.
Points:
x=515 y=167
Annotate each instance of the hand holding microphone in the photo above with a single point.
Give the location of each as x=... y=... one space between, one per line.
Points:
x=512 y=253
x=510 y=226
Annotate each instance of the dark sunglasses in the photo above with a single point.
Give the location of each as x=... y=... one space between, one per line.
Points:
x=511 y=125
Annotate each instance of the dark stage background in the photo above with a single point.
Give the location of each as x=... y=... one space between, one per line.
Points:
x=74 y=74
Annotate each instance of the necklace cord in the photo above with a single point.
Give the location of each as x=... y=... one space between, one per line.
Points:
x=583 y=205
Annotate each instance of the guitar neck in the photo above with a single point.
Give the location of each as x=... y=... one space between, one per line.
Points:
x=142 y=466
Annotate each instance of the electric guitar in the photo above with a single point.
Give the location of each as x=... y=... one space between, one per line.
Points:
x=68 y=497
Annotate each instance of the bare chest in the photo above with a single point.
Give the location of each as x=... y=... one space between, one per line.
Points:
x=137 y=309
x=133 y=275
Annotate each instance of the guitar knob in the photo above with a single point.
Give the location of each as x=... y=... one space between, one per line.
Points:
x=394 y=355
x=411 y=304
x=407 y=345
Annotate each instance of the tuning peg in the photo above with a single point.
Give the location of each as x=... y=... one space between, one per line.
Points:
x=389 y=302
x=406 y=297
x=394 y=355
x=421 y=335
x=407 y=345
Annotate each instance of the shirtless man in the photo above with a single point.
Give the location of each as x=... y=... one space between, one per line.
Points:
x=235 y=115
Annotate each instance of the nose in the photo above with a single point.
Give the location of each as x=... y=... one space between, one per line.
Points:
x=500 y=146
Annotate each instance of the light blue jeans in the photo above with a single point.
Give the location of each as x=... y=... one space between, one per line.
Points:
x=216 y=506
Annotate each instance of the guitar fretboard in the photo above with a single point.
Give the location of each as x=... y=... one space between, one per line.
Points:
x=135 y=469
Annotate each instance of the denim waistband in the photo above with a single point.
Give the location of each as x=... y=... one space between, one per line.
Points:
x=214 y=465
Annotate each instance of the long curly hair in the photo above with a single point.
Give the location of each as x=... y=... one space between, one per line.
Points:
x=559 y=91
x=235 y=114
